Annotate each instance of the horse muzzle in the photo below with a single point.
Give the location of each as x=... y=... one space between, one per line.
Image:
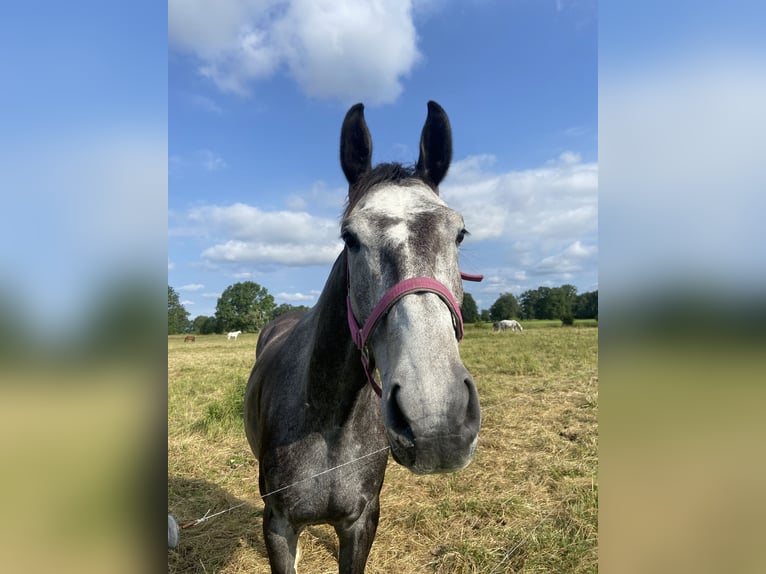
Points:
x=439 y=439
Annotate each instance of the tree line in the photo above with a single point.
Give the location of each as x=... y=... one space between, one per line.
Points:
x=560 y=303
x=248 y=307
x=244 y=306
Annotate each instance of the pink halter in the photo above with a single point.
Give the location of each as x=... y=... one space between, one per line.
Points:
x=360 y=335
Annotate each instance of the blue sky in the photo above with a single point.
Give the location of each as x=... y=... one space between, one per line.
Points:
x=256 y=96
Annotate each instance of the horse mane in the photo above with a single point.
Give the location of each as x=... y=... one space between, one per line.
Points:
x=383 y=173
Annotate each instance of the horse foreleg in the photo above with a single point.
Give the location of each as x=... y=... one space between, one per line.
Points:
x=355 y=541
x=281 y=542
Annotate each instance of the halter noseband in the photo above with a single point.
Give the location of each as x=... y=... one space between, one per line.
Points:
x=360 y=335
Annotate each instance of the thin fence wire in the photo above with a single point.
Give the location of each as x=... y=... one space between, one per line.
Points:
x=208 y=516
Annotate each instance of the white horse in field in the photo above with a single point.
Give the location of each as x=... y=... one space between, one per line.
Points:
x=233 y=335
x=508 y=324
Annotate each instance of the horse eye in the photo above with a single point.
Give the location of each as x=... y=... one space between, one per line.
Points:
x=461 y=236
x=349 y=239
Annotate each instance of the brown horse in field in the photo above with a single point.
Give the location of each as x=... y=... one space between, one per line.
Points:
x=188 y=338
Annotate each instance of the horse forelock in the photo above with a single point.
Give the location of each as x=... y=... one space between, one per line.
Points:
x=394 y=173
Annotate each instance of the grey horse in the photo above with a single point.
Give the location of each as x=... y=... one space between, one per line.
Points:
x=309 y=404
x=508 y=324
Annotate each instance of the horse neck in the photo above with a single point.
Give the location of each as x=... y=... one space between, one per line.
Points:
x=335 y=369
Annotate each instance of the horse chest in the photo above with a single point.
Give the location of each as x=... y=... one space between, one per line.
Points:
x=325 y=487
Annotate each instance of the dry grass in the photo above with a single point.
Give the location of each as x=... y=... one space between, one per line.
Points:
x=527 y=503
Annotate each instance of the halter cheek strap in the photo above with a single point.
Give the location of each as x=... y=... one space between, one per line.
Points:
x=360 y=335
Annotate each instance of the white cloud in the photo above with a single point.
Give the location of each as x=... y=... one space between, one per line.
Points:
x=242 y=233
x=297 y=203
x=299 y=297
x=191 y=287
x=542 y=221
x=187 y=302
x=563 y=265
x=250 y=224
x=579 y=250
x=285 y=254
x=568 y=158
x=339 y=49
x=558 y=200
x=576 y=131
x=206 y=27
x=501 y=281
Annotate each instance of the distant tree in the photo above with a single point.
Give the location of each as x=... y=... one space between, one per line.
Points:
x=198 y=323
x=468 y=309
x=484 y=316
x=286 y=308
x=568 y=295
x=506 y=307
x=528 y=301
x=209 y=326
x=244 y=307
x=586 y=306
x=548 y=302
x=178 y=317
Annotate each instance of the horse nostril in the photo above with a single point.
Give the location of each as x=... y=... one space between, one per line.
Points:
x=397 y=421
x=473 y=411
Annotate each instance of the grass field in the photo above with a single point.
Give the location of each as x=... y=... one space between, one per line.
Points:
x=527 y=503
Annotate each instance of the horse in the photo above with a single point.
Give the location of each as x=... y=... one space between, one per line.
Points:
x=191 y=338
x=506 y=324
x=233 y=335
x=391 y=301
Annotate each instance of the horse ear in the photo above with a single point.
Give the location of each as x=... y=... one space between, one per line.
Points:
x=355 y=145
x=435 y=145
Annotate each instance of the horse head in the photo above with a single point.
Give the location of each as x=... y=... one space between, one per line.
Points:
x=397 y=230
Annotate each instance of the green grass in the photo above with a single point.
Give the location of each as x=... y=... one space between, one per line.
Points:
x=527 y=503
x=225 y=415
x=537 y=324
